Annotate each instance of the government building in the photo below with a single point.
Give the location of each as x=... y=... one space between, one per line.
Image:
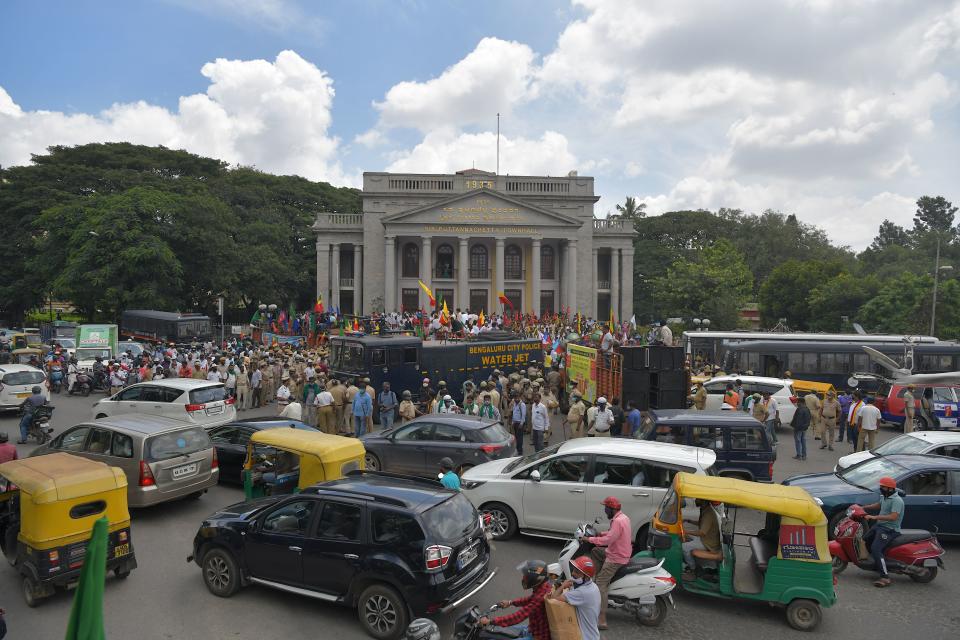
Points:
x=468 y=237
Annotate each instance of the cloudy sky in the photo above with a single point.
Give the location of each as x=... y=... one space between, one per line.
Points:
x=842 y=111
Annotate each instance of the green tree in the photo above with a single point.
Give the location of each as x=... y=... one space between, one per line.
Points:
x=840 y=296
x=934 y=215
x=901 y=306
x=714 y=284
x=786 y=291
x=631 y=209
x=890 y=235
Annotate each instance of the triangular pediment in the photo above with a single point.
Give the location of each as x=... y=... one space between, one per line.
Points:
x=482 y=206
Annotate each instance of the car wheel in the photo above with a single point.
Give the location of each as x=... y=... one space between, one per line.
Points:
x=503 y=522
x=100 y=415
x=196 y=495
x=220 y=573
x=30 y=595
x=372 y=462
x=920 y=423
x=803 y=614
x=122 y=575
x=927 y=574
x=382 y=612
x=834 y=521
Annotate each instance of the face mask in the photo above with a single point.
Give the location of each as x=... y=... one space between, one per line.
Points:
x=578 y=581
x=609 y=512
x=886 y=492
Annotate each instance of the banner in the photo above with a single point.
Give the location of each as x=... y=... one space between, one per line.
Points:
x=268 y=339
x=582 y=369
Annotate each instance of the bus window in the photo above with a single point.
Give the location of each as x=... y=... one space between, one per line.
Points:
x=753 y=361
x=378 y=358
x=828 y=363
x=861 y=362
x=795 y=361
x=395 y=357
x=410 y=355
x=809 y=362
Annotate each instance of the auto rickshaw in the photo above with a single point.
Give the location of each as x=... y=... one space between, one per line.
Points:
x=786 y=562
x=48 y=505
x=289 y=460
x=23 y=356
x=803 y=387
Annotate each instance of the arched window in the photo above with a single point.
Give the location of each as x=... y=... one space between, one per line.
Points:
x=444 y=261
x=547 y=262
x=411 y=261
x=513 y=263
x=479 y=262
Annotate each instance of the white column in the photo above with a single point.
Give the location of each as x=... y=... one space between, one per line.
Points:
x=357 y=279
x=426 y=255
x=572 y=274
x=595 y=266
x=323 y=272
x=463 y=293
x=535 y=260
x=335 y=275
x=562 y=278
x=615 y=283
x=498 y=267
x=626 y=300
x=390 y=274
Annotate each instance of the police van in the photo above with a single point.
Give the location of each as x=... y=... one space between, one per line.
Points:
x=404 y=360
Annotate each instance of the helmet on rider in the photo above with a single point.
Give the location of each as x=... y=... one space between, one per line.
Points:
x=584 y=565
x=422 y=629
x=611 y=506
x=888 y=486
x=532 y=573
x=35 y=390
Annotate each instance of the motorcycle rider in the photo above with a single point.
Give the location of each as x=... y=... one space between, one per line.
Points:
x=73 y=369
x=887 y=526
x=618 y=545
x=582 y=592
x=29 y=407
x=533 y=576
x=99 y=373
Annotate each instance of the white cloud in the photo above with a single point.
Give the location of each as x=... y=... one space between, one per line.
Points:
x=492 y=78
x=446 y=151
x=281 y=16
x=274 y=115
x=634 y=169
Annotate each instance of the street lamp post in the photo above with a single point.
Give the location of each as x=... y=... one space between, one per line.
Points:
x=936 y=280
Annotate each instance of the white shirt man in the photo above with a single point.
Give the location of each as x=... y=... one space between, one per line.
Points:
x=323 y=399
x=603 y=419
x=213 y=375
x=294 y=411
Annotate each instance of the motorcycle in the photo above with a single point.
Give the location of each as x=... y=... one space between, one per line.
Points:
x=915 y=552
x=468 y=627
x=83 y=385
x=56 y=379
x=641 y=587
x=40 y=428
x=100 y=382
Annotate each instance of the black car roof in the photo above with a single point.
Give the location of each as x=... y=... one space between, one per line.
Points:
x=730 y=418
x=456 y=419
x=924 y=461
x=415 y=494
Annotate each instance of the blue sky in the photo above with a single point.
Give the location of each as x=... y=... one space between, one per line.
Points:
x=835 y=110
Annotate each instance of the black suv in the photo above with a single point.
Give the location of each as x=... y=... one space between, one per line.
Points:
x=388 y=545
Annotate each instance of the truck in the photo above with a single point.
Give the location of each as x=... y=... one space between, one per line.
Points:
x=96 y=340
x=404 y=360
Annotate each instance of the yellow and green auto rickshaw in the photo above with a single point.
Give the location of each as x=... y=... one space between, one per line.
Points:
x=48 y=505
x=288 y=460
x=781 y=558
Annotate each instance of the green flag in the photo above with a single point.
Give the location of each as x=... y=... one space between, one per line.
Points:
x=256 y=317
x=86 y=616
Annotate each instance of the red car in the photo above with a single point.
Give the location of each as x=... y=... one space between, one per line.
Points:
x=889 y=399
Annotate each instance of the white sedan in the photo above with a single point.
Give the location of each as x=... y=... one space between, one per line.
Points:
x=779 y=388
x=938 y=443
x=549 y=493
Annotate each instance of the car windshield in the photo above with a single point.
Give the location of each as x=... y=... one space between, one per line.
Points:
x=901 y=444
x=533 y=457
x=23 y=377
x=177 y=443
x=66 y=343
x=450 y=519
x=132 y=347
x=493 y=433
x=867 y=475
x=90 y=354
x=204 y=395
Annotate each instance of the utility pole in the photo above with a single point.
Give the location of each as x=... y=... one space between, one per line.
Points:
x=936 y=279
x=220 y=308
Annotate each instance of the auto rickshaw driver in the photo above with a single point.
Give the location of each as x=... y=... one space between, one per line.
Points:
x=703 y=542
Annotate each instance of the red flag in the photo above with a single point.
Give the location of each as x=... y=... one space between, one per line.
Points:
x=356 y=325
x=504 y=299
x=318 y=308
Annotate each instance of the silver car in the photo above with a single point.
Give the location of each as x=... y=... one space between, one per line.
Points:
x=163 y=459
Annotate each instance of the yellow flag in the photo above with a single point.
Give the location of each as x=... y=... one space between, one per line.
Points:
x=480 y=318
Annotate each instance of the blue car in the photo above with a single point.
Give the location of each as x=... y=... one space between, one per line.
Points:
x=930 y=486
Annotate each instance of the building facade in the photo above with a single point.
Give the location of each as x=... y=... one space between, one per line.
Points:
x=471 y=235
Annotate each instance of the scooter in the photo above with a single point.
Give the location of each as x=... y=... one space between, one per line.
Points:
x=915 y=552
x=83 y=384
x=56 y=379
x=642 y=587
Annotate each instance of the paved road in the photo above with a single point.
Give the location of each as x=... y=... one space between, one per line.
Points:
x=165 y=596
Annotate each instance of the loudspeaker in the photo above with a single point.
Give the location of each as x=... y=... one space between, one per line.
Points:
x=668 y=400
x=633 y=357
x=636 y=381
x=674 y=380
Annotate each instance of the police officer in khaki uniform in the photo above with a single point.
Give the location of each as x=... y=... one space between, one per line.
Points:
x=339 y=393
x=909 y=408
x=699 y=397
x=829 y=414
x=812 y=400
x=575 y=415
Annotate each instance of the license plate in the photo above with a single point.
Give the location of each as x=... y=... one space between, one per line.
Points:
x=930 y=562
x=212 y=411
x=121 y=550
x=184 y=470
x=467 y=556
x=23 y=395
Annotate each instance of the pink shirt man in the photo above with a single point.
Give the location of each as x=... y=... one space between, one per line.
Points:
x=616 y=539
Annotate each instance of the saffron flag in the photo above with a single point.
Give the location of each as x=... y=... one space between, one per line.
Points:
x=318 y=308
x=480 y=318
x=426 y=290
x=445 y=314
x=356 y=325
